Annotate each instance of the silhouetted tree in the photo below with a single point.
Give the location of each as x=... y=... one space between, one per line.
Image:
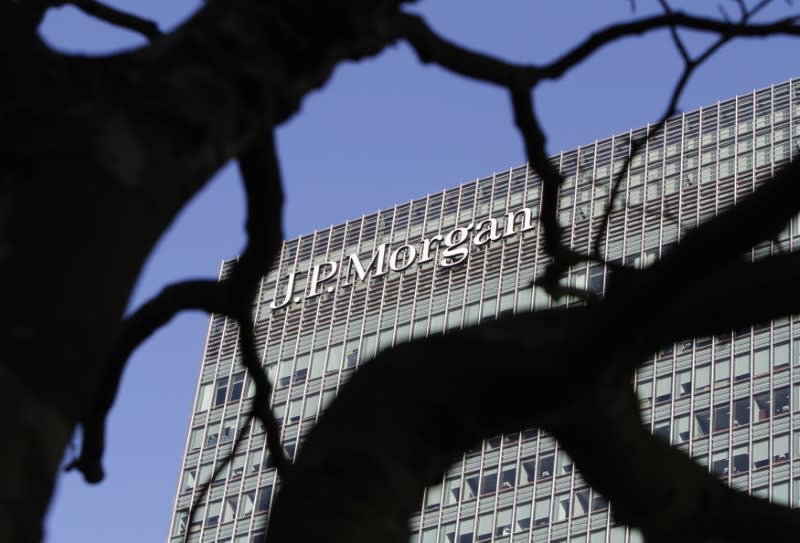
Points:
x=101 y=153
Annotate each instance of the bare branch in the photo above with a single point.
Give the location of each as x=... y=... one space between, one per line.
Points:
x=787 y=26
x=690 y=65
x=116 y=17
x=432 y=48
x=261 y=402
x=357 y=440
x=674 y=33
x=767 y=291
x=685 y=502
x=742 y=8
x=535 y=145
x=705 y=252
x=231 y=297
x=520 y=79
x=258 y=165
x=204 y=295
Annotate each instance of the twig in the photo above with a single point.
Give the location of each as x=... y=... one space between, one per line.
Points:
x=116 y=17
x=258 y=165
x=231 y=297
x=205 y=295
x=520 y=80
x=690 y=65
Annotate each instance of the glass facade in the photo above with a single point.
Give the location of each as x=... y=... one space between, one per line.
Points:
x=452 y=259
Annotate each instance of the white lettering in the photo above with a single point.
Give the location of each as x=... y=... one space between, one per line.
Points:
x=425 y=255
x=454 y=253
x=408 y=252
x=512 y=217
x=377 y=262
x=455 y=247
x=484 y=236
x=288 y=295
x=317 y=279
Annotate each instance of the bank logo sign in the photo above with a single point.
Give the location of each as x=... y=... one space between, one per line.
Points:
x=448 y=250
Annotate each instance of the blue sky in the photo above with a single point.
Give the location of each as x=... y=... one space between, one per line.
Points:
x=381 y=132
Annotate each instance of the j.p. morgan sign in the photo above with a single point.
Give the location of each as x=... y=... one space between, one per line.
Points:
x=448 y=250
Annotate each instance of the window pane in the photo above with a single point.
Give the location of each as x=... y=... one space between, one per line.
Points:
x=722 y=417
x=782 y=403
x=761 y=408
x=702 y=422
x=741 y=367
x=664 y=388
x=702 y=377
x=761 y=361
x=542 y=512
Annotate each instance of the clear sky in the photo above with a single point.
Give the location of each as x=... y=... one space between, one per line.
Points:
x=381 y=132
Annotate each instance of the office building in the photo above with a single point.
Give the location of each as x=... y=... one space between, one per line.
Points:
x=468 y=254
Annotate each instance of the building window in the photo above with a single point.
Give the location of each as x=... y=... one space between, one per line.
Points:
x=522 y=522
x=229 y=510
x=203 y=398
x=781 y=355
x=189 y=479
x=465 y=530
x=599 y=502
x=470 y=489
x=719 y=463
x=722 y=371
x=214 y=509
x=780 y=493
x=761 y=361
x=452 y=490
x=541 y=512
x=644 y=390
x=580 y=505
x=546 y=466
x=220 y=391
x=741 y=459
x=760 y=454
x=683 y=384
x=761 y=408
x=237 y=466
x=484 y=527
x=741 y=411
x=722 y=415
x=780 y=449
x=664 y=388
x=197 y=521
x=195 y=439
x=228 y=430
x=264 y=496
x=179 y=528
x=508 y=477
x=433 y=496
x=701 y=422
x=702 y=377
x=236 y=387
x=681 y=429
x=741 y=366
x=246 y=503
x=782 y=404
x=213 y=435
x=503 y=529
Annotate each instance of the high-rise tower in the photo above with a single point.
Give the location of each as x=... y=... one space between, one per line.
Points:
x=452 y=259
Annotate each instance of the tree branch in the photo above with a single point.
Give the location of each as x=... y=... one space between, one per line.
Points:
x=204 y=295
x=116 y=17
